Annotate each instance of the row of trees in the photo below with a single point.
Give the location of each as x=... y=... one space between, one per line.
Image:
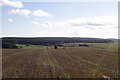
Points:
x=48 y=41
x=8 y=45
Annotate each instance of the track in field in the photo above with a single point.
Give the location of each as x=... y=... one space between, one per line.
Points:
x=60 y=63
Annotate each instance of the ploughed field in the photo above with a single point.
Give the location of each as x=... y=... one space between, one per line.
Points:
x=72 y=62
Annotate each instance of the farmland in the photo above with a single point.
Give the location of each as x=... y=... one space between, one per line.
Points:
x=71 y=62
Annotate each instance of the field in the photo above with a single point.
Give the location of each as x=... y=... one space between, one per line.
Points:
x=30 y=46
x=71 y=62
x=112 y=46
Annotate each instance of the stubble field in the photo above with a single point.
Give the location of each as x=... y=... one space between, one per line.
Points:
x=72 y=62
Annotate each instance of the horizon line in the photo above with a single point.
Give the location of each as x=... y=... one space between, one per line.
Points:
x=53 y=37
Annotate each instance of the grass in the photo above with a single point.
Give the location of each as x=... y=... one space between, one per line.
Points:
x=30 y=46
x=112 y=46
x=107 y=46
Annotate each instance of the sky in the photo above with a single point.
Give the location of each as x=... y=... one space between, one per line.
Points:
x=59 y=19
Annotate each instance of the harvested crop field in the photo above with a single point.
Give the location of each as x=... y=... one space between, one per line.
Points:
x=72 y=62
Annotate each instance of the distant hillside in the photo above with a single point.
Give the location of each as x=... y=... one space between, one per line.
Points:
x=53 y=40
x=115 y=40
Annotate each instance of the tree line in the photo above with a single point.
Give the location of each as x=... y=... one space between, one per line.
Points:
x=48 y=41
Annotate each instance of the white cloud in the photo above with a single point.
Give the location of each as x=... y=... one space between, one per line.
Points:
x=35 y=23
x=96 y=33
x=16 y=4
x=11 y=20
x=94 y=21
x=24 y=12
x=97 y=27
x=100 y=26
x=91 y=23
x=48 y=24
x=1 y=3
x=41 y=13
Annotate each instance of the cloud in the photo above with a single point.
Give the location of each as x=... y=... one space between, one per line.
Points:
x=48 y=24
x=100 y=26
x=16 y=4
x=27 y=12
x=91 y=22
x=94 y=21
x=97 y=33
x=11 y=20
x=1 y=3
x=24 y=12
x=35 y=23
x=96 y=27
x=41 y=13
x=86 y=24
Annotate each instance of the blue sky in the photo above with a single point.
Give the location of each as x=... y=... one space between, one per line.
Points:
x=60 y=19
